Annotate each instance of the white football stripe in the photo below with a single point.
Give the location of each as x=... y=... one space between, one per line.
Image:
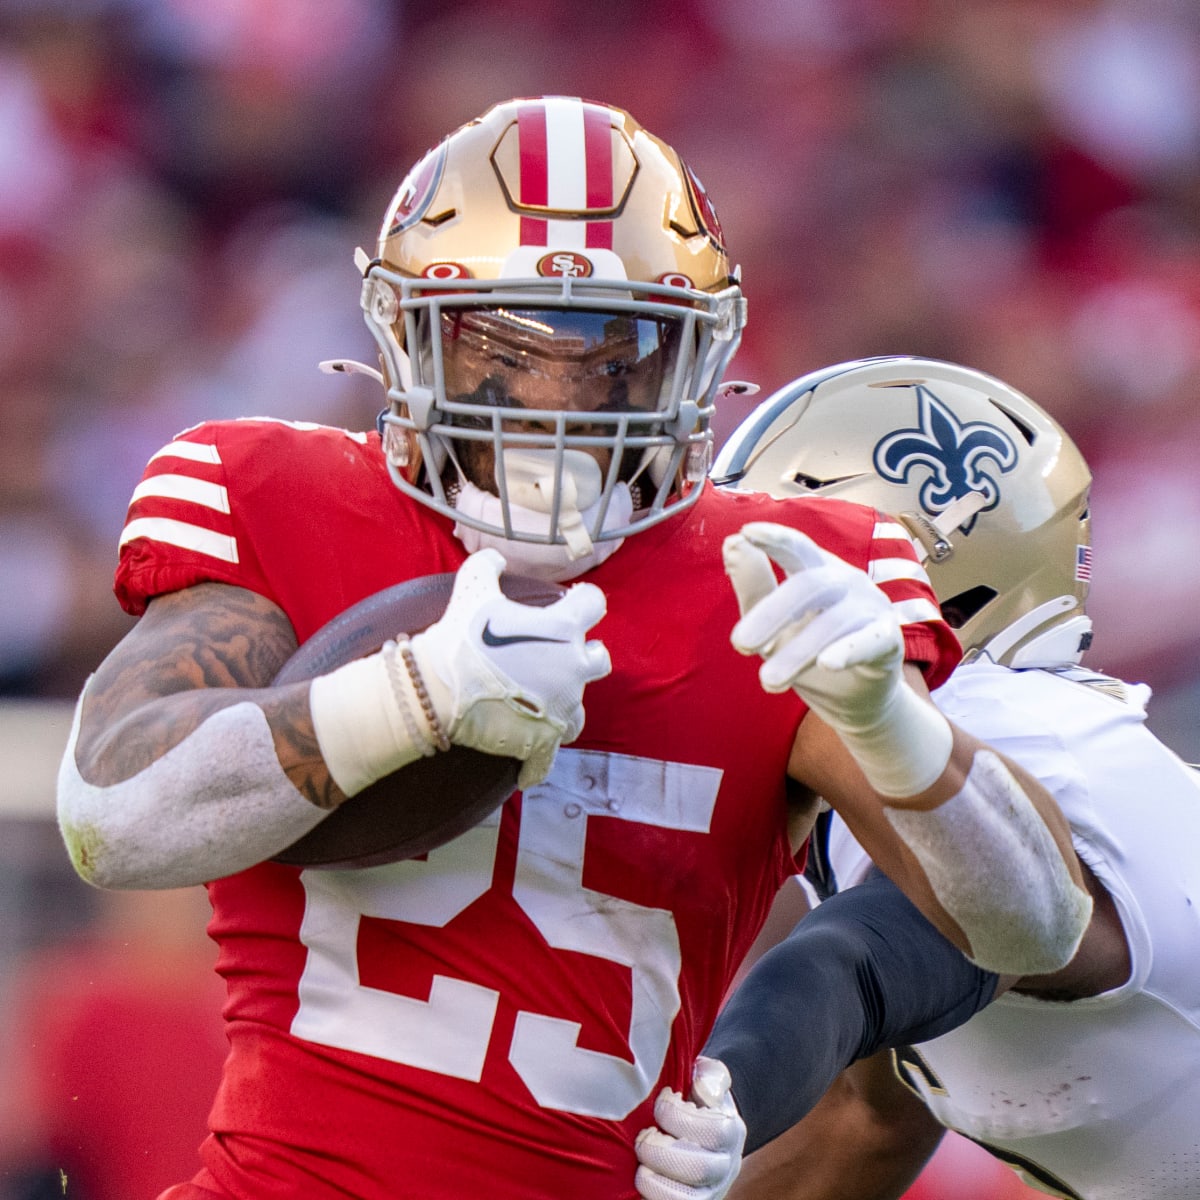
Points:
x=885 y=570
x=911 y=612
x=891 y=529
x=202 y=452
x=567 y=235
x=184 y=535
x=566 y=156
x=186 y=488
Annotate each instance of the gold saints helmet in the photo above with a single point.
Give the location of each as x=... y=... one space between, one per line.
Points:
x=556 y=242
x=991 y=488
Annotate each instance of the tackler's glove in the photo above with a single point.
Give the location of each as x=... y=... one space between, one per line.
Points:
x=695 y=1151
x=831 y=635
x=508 y=678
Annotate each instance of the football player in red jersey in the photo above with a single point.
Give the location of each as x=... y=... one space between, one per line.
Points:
x=554 y=310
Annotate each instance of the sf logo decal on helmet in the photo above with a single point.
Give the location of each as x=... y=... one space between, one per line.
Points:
x=565 y=262
x=955 y=454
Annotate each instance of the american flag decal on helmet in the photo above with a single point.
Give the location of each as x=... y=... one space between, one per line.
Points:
x=1083 y=564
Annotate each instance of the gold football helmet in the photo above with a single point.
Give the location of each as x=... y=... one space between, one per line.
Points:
x=552 y=255
x=989 y=485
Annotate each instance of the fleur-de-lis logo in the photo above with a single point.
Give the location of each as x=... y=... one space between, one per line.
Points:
x=956 y=455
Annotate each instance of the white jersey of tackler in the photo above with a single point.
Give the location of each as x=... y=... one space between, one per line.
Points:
x=1096 y=1098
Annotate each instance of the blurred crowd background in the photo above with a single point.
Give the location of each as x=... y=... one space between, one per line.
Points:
x=1013 y=184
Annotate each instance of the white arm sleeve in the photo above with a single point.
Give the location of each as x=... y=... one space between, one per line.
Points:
x=996 y=869
x=214 y=804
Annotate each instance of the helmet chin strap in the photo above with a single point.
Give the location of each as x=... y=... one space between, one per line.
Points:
x=933 y=535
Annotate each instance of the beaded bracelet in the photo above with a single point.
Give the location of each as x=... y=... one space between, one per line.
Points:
x=400 y=692
x=414 y=673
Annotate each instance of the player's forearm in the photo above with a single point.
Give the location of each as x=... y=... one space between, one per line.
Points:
x=996 y=853
x=974 y=851
x=987 y=867
x=213 y=803
x=863 y=971
x=109 y=754
x=847 y=1146
x=192 y=654
x=183 y=766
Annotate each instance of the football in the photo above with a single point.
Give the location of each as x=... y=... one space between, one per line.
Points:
x=425 y=804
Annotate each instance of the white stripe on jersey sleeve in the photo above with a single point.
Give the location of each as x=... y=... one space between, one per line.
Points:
x=201 y=452
x=910 y=612
x=186 y=488
x=895 y=569
x=892 y=529
x=886 y=570
x=180 y=533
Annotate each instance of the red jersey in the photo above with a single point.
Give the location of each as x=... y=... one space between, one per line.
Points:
x=497 y=1018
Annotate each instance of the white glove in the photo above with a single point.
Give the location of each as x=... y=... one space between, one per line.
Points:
x=695 y=1152
x=832 y=636
x=508 y=678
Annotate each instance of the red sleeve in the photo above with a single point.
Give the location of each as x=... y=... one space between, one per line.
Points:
x=181 y=529
x=895 y=568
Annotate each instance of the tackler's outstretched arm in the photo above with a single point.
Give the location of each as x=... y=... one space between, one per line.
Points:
x=979 y=845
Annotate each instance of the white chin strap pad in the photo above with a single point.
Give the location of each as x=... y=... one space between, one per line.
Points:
x=529 y=475
x=530 y=483
x=996 y=869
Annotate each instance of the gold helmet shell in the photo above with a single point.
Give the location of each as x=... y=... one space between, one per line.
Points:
x=989 y=485
x=555 y=175
x=549 y=208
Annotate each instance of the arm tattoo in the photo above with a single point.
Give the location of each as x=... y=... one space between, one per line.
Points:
x=192 y=654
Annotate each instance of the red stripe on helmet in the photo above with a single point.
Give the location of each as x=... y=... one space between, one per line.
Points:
x=597 y=144
x=599 y=235
x=534 y=231
x=535 y=176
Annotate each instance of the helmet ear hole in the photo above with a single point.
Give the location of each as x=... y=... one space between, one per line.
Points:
x=958 y=610
x=1023 y=428
x=809 y=482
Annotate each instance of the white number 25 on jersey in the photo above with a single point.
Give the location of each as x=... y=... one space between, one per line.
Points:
x=449 y=1033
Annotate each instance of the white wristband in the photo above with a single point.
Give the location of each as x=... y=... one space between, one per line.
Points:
x=368 y=720
x=906 y=750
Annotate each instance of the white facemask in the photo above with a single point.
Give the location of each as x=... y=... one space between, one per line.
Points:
x=530 y=478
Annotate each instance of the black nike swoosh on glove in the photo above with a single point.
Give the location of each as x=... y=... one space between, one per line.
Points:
x=496 y=639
